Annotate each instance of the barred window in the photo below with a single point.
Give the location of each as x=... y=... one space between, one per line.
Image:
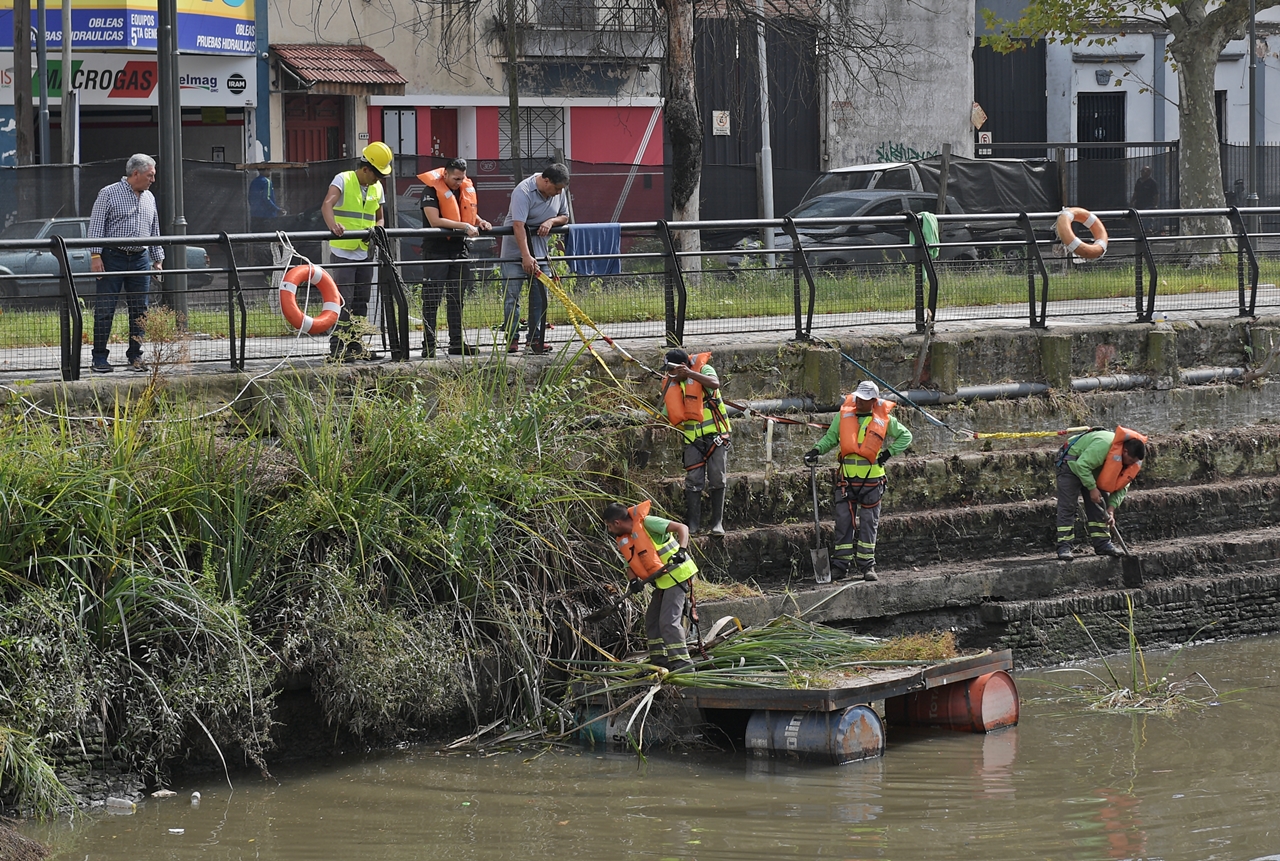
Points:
x=541 y=133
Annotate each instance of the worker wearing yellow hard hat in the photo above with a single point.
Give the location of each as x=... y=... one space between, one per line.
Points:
x=354 y=202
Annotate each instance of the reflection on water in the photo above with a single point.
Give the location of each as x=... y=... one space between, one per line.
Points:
x=1068 y=783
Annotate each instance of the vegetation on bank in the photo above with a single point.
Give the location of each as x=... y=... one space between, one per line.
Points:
x=408 y=546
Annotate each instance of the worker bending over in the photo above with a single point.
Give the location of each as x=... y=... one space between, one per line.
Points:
x=868 y=436
x=1098 y=465
x=656 y=553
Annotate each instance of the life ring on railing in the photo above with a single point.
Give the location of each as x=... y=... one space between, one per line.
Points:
x=1076 y=245
x=317 y=277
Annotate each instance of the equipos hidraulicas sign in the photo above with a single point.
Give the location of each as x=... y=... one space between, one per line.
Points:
x=132 y=79
x=204 y=26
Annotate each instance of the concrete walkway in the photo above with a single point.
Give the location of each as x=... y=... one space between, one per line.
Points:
x=646 y=340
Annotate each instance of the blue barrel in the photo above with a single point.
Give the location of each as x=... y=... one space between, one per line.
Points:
x=829 y=737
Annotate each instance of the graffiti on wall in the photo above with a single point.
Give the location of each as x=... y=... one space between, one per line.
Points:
x=891 y=151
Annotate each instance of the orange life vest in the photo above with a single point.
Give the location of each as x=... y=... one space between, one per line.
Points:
x=643 y=557
x=877 y=428
x=460 y=205
x=685 y=403
x=1114 y=475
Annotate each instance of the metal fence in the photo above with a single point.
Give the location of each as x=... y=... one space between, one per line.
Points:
x=853 y=272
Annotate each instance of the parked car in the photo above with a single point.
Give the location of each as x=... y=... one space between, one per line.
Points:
x=41 y=265
x=834 y=247
x=896 y=176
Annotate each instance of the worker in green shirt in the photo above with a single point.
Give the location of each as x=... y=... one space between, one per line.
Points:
x=1098 y=465
x=868 y=436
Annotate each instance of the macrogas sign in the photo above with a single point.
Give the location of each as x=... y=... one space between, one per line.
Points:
x=204 y=26
x=131 y=79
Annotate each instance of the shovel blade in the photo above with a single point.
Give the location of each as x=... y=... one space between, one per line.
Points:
x=821 y=564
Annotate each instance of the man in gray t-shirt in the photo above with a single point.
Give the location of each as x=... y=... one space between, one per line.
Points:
x=537 y=205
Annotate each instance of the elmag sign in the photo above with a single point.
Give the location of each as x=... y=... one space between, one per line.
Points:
x=132 y=79
x=204 y=26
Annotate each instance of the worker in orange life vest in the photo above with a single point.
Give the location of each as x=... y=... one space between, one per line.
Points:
x=868 y=436
x=1098 y=465
x=448 y=202
x=691 y=401
x=656 y=553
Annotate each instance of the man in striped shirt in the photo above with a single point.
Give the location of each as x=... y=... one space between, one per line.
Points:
x=125 y=209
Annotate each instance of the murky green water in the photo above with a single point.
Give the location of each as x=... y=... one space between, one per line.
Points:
x=1067 y=783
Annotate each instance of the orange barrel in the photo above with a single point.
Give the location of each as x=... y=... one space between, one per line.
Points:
x=831 y=737
x=974 y=705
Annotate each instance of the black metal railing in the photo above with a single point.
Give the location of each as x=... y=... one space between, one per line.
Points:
x=815 y=274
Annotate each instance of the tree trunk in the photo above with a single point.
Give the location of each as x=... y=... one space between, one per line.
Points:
x=683 y=125
x=513 y=91
x=1199 y=154
x=24 y=116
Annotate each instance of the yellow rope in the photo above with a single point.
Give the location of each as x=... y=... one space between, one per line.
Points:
x=1027 y=434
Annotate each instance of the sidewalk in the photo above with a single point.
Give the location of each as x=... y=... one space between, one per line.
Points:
x=211 y=355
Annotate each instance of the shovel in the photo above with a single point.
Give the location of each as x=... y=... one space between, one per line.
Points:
x=820 y=555
x=1130 y=565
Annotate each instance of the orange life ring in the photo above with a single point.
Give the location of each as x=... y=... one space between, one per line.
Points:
x=314 y=275
x=1076 y=245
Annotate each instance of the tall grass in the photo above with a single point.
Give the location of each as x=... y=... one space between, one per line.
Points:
x=406 y=544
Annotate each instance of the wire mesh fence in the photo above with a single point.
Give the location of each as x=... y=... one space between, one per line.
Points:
x=858 y=272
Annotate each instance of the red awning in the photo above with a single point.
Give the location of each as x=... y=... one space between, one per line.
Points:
x=340 y=70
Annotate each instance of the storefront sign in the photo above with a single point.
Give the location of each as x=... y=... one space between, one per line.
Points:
x=130 y=79
x=204 y=26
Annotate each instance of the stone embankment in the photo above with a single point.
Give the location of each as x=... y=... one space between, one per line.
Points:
x=967 y=532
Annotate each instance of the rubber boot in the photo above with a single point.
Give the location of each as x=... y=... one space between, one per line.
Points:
x=717 y=511
x=428 y=344
x=693 y=511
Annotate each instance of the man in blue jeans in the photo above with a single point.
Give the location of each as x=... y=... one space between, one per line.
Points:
x=538 y=204
x=127 y=210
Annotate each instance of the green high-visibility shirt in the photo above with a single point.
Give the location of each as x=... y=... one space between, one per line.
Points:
x=1090 y=453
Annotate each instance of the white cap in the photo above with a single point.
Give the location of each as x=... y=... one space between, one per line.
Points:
x=867 y=391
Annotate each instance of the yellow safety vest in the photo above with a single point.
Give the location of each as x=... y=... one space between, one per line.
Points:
x=358 y=210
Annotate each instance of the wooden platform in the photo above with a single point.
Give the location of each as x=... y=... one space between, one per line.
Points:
x=867 y=686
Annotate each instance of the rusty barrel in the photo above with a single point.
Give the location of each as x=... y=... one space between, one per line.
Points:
x=831 y=737
x=973 y=705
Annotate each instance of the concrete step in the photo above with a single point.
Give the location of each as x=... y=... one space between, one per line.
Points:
x=1008 y=591
x=1149 y=520
x=983 y=478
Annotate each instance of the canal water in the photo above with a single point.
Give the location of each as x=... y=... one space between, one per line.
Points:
x=1067 y=783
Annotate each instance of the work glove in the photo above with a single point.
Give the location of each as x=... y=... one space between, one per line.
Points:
x=811 y=457
x=883 y=457
x=635 y=586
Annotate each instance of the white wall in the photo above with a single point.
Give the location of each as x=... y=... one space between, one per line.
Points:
x=912 y=114
x=1137 y=78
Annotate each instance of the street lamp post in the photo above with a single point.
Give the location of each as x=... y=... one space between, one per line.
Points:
x=171 y=153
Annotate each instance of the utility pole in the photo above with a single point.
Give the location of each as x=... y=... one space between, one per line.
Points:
x=513 y=89
x=69 y=113
x=1253 y=104
x=22 y=83
x=766 y=150
x=42 y=73
x=175 y=290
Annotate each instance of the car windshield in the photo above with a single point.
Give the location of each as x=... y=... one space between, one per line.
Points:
x=22 y=230
x=830 y=206
x=847 y=180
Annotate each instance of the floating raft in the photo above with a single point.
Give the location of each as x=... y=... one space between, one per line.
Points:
x=836 y=723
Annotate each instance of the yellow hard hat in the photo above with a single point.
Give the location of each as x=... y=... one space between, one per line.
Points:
x=379 y=155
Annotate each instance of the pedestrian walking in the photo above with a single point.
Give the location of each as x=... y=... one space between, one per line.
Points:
x=692 y=402
x=538 y=204
x=124 y=210
x=354 y=202
x=263 y=209
x=656 y=553
x=1098 y=466
x=448 y=202
x=868 y=435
